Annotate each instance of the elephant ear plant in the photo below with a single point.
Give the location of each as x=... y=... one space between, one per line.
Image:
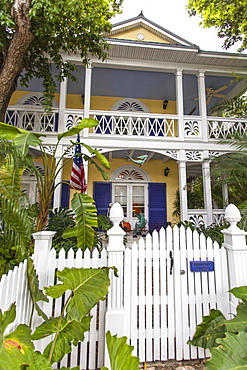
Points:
x=83 y=288
x=226 y=339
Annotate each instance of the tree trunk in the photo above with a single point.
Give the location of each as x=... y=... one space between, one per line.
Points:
x=13 y=57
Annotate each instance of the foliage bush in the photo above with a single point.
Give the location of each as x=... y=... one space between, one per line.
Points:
x=83 y=289
x=226 y=339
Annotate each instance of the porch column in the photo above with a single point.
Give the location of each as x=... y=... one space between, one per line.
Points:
x=58 y=189
x=207 y=189
x=180 y=103
x=62 y=105
x=87 y=95
x=202 y=104
x=182 y=187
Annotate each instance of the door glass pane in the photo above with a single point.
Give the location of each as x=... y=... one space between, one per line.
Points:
x=137 y=200
x=121 y=197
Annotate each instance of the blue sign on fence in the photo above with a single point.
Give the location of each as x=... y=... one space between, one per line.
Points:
x=201 y=266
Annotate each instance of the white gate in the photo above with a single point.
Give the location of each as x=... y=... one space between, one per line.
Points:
x=164 y=299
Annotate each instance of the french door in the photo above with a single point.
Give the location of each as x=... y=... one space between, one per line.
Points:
x=133 y=199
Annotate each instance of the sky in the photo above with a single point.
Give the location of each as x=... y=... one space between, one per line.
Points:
x=172 y=15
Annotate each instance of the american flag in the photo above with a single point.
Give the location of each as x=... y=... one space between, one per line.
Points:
x=77 y=179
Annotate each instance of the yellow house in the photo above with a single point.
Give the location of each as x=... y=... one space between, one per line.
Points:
x=152 y=98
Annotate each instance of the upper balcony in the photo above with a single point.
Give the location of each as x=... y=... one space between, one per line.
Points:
x=129 y=124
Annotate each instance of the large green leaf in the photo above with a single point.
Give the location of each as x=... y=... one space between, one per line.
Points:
x=239 y=322
x=66 y=332
x=120 y=354
x=18 y=350
x=33 y=284
x=211 y=328
x=103 y=160
x=87 y=287
x=85 y=123
x=8 y=132
x=240 y=292
x=24 y=140
x=86 y=218
x=231 y=353
x=6 y=318
x=21 y=138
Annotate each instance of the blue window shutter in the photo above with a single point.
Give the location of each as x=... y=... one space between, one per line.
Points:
x=157 y=205
x=65 y=194
x=102 y=195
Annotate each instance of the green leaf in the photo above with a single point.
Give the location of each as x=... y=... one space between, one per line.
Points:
x=85 y=123
x=33 y=284
x=18 y=350
x=87 y=287
x=67 y=332
x=6 y=318
x=239 y=322
x=120 y=354
x=211 y=328
x=8 y=132
x=240 y=292
x=231 y=354
x=86 y=218
x=24 y=140
x=103 y=160
x=91 y=160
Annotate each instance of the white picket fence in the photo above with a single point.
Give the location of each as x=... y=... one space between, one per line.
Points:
x=158 y=297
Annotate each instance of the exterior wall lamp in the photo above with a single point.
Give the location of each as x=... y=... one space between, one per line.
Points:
x=165 y=103
x=166 y=171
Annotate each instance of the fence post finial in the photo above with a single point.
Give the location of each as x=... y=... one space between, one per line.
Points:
x=235 y=245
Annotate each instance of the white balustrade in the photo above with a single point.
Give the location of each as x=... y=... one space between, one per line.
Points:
x=32 y=118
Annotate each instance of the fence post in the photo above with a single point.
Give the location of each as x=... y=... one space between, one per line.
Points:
x=115 y=319
x=235 y=245
x=42 y=247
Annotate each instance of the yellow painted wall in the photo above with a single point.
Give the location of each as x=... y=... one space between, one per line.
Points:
x=103 y=102
x=131 y=35
x=106 y=103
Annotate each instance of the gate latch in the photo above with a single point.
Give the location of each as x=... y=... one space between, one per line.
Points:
x=171 y=262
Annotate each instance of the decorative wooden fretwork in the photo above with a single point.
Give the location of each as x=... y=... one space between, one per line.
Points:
x=130 y=105
x=69 y=152
x=130 y=175
x=36 y=99
x=72 y=120
x=39 y=167
x=197 y=220
x=191 y=128
x=193 y=155
x=212 y=154
x=49 y=149
x=172 y=153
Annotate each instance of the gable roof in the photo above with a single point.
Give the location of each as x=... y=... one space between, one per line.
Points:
x=161 y=33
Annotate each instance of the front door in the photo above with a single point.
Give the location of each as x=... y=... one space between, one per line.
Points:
x=133 y=199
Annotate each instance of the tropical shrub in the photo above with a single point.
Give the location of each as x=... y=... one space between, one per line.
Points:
x=226 y=339
x=84 y=288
